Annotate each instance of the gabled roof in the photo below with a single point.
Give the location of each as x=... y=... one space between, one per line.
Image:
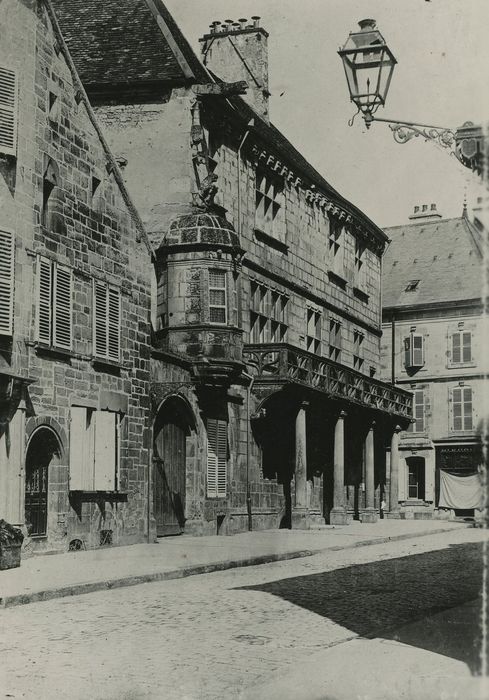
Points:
x=444 y=255
x=119 y=43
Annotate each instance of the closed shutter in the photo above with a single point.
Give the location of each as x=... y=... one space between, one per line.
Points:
x=467 y=408
x=466 y=346
x=44 y=299
x=100 y=318
x=407 y=352
x=105 y=451
x=62 y=307
x=403 y=478
x=429 y=480
x=222 y=453
x=114 y=324
x=81 y=452
x=456 y=350
x=211 y=458
x=6 y=282
x=8 y=112
x=417 y=351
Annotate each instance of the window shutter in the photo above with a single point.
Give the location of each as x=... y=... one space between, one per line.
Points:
x=8 y=112
x=100 y=318
x=418 y=351
x=467 y=408
x=456 y=356
x=222 y=453
x=6 y=282
x=44 y=299
x=62 y=307
x=403 y=477
x=212 y=458
x=81 y=453
x=114 y=324
x=456 y=409
x=429 y=481
x=407 y=352
x=105 y=451
x=466 y=347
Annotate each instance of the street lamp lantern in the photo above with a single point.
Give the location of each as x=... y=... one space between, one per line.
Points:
x=368 y=64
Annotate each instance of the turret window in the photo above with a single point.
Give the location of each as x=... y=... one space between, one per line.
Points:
x=217 y=296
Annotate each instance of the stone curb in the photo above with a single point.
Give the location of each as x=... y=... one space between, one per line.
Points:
x=183 y=572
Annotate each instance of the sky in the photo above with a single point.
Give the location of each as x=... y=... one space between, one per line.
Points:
x=441 y=78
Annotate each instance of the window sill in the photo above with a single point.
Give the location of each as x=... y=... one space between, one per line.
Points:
x=96 y=496
x=52 y=350
x=337 y=280
x=103 y=365
x=270 y=241
x=461 y=365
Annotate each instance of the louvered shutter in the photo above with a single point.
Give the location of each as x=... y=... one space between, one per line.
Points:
x=8 y=112
x=222 y=453
x=44 y=299
x=212 y=458
x=81 y=449
x=100 y=318
x=62 y=307
x=114 y=324
x=407 y=352
x=417 y=351
x=467 y=408
x=467 y=346
x=105 y=451
x=457 y=409
x=6 y=282
x=456 y=350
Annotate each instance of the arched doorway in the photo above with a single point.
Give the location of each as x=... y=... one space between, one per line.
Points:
x=171 y=428
x=43 y=448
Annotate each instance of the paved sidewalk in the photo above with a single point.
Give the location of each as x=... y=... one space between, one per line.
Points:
x=72 y=573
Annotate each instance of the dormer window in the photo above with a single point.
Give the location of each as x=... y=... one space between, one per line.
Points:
x=412 y=285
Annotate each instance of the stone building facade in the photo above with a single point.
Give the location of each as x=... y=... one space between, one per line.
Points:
x=267 y=411
x=74 y=306
x=434 y=345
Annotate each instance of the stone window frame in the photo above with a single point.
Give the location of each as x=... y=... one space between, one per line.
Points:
x=466 y=400
x=419 y=407
x=462 y=362
x=268 y=313
x=214 y=289
x=313 y=335
x=94 y=435
x=269 y=203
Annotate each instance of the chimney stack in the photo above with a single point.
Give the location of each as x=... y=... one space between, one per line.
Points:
x=236 y=51
x=425 y=212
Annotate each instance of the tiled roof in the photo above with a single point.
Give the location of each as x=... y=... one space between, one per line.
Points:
x=119 y=42
x=444 y=255
x=116 y=42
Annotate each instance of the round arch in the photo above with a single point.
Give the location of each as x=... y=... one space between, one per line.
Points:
x=44 y=450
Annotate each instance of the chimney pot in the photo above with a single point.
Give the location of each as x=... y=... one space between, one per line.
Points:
x=366 y=25
x=256 y=21
x=416 y=209
x=433 y=207
x=242 y=22
x=425 y=207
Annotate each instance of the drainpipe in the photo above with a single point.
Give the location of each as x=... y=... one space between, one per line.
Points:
x=393 y=349
x=250 y=125
x=248 y=436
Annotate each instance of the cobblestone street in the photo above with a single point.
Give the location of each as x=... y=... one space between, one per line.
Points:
x=215 y=635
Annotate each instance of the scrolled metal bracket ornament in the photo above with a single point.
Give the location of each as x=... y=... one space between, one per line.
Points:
x=405 y=132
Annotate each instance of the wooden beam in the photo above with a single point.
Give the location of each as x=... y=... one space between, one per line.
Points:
x=221 y=89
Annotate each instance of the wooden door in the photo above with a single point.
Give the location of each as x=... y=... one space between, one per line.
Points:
x=169 y=474
x=36 y=493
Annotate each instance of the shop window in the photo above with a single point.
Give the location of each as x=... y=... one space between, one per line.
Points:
x=416 y=477
x=269 y=204
x=94 y=449
x=462 y=408
x=8 y=111
x=358 y=338
x=106 y=321
x=7 y=250
x=268 y=314
x=54 y=304
x=418 y=412
x=217 y=448
x=414 y=351
x=335 y=340
x=313 y=335
x=461 y=347
x=217 y=296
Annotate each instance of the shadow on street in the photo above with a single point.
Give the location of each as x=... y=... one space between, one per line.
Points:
x=401 y=599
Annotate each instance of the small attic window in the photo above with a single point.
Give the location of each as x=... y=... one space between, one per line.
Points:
x=412 y=285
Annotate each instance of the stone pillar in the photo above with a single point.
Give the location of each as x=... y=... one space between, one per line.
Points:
x=300 y=509
x=338 y=512
x=12 y=468
x=394 y=476
x=369 y=515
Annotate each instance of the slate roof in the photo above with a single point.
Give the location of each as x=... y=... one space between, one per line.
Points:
x=118 y=42
x=443 y=254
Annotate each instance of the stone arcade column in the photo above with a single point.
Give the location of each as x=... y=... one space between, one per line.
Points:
x=12 y=470
x=338 y=512
x=369 y=515
x=394 y=476
x=299 y=512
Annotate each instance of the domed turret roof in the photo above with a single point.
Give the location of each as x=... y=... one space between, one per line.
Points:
x=207 y=228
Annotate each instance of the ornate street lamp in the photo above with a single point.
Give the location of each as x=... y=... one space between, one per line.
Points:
x=369 y=65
